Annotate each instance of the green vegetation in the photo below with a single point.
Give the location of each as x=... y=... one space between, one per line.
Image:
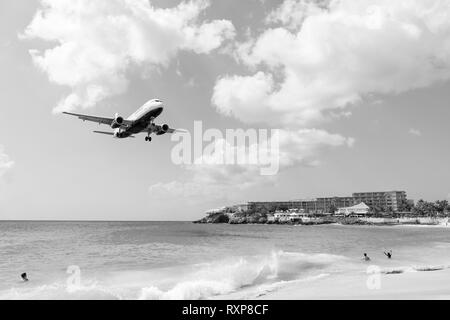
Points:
x=431 y=209
x=439 y=208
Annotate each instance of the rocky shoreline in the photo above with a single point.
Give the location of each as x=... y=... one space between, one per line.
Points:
x=225 y=218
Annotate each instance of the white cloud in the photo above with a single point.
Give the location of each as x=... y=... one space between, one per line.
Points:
x=292 y=13
x=301 y=147
x=324 y=57
x=95 y=43
x=213 y=181
x=244 y=96
x=5 y=162
x=201 y=187
x=415 y=132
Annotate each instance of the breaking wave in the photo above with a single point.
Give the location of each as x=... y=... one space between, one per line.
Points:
x=236 y=277
x=199 y=281
x=226 y=277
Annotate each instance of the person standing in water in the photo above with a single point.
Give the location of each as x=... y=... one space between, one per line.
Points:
x=388 y=254
x=366 y=257
x=24 y=276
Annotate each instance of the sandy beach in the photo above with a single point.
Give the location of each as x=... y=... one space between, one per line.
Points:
x=409 y=285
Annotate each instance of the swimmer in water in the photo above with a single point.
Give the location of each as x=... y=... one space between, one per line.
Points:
x=388 y=254
x=366 y=257
x=24 y=276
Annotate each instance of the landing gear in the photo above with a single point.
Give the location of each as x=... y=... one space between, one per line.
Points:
x=150 y=129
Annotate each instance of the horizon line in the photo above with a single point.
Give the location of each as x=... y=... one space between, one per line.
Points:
x=74 y=220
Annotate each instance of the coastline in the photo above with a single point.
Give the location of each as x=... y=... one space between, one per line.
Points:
x=227 y=218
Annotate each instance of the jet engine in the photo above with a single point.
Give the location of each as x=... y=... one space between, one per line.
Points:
x=117 y=122
x=162 y=129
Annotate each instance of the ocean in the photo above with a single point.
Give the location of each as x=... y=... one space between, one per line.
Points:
x=182 y=260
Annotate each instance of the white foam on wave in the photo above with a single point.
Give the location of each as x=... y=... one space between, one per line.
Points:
x=60 y=291
x=225 y=277
x=414 y=268
x=200 y=281
x=440 y=225
x=265 y=289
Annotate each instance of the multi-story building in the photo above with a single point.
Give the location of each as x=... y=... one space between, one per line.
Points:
x=305 y=205
x=319 y=205
x=384 y=199
x=332 y=203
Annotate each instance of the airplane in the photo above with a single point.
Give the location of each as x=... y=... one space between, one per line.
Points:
x=142 y=120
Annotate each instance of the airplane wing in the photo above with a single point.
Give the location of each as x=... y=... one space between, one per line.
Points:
x=158 y=130
x=99 y=120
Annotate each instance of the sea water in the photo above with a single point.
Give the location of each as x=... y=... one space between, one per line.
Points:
x=182 y=260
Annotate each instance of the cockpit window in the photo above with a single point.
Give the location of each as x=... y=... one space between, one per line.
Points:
x=157 y=100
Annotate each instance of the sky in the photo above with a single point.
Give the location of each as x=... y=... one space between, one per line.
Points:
x=359 y=90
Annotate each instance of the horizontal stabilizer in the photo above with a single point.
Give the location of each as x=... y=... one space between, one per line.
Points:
x=105 y=132
x=177 y=130
x=110 y=133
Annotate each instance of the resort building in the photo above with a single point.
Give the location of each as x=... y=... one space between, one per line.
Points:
x=360 y=209
x=385 y=199
x=305 y=205
x=393 y=200
x=216 y=211
x=330 y=204
x=290 y=215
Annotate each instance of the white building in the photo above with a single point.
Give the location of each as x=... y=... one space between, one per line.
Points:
x=286 y=216
x=215 y=211
x=359 y=209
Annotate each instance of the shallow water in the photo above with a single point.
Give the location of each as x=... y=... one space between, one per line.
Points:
x=181 y=260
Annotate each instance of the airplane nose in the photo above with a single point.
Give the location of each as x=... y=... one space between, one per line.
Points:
x=157 y=104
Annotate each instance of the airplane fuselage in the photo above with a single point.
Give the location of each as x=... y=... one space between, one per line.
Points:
x=142 y=119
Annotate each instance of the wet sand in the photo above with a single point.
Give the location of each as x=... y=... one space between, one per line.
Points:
x=407 y=285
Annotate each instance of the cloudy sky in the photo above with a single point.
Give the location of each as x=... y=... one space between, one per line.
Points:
x=359 y=88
